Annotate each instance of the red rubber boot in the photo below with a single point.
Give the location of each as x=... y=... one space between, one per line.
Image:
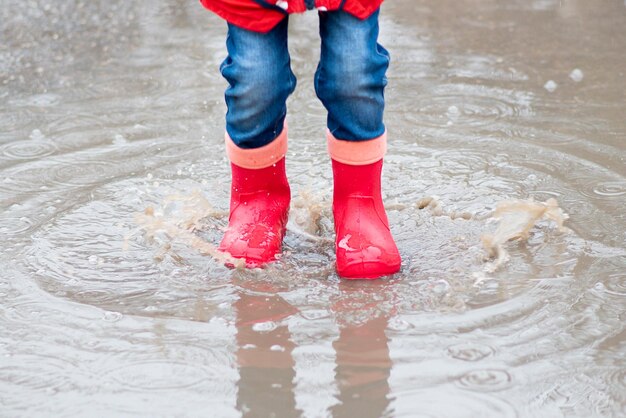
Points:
x=364 y=245
x=259 y=202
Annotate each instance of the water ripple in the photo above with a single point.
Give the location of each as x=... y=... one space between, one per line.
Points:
x=37 y=100
x=82 y=173
x=27 y=150
x=611 y=189
x=158 y=375
x=14 y=226
x=486 y=380
x=33 y=177
x=470 y=106
x=454 y=403
x=616 y=284
x=470 y=352
x=618 y=383
x=40 y=373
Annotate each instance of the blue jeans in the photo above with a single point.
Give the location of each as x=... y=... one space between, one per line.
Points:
x=350 y=80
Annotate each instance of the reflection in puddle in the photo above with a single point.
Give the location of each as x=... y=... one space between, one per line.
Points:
x=264 y=356
x=362 y=371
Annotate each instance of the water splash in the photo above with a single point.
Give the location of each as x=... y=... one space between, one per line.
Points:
x=176 y=221
x=515 y=220
x=306 y=215
x=180 y=219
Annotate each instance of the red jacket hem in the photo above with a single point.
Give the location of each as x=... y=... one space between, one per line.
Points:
x=251 y=15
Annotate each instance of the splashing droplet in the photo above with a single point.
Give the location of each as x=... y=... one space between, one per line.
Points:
x=576 y=75
x=551 y=86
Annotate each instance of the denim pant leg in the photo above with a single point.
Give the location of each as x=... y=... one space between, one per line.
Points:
x=350 y=78
x=260 y=79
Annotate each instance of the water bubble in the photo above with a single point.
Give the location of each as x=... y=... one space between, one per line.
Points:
x=397 y=324
x=599 y=287
x=550 y=85
x=277 y=347
x=314 y=314
x=217 y=320
x=576 y=75
x=111 y=316
x=36 y=135
x=441 y=287
x=119 y=140
x=453 y=111
x=264 y=326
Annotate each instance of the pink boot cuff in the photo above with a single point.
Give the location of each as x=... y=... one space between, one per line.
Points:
x=257 y=158
x=357 y=152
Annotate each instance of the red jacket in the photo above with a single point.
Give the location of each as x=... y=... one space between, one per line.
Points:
x=263 y=15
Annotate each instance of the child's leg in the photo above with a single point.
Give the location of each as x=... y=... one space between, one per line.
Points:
x=350 y=78
x=260 y=80
x=258 y=71
x=350 y=81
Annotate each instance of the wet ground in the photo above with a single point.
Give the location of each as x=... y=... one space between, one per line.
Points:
x=110 y=108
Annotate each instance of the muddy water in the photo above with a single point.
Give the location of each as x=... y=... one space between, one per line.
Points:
x=111 y=108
